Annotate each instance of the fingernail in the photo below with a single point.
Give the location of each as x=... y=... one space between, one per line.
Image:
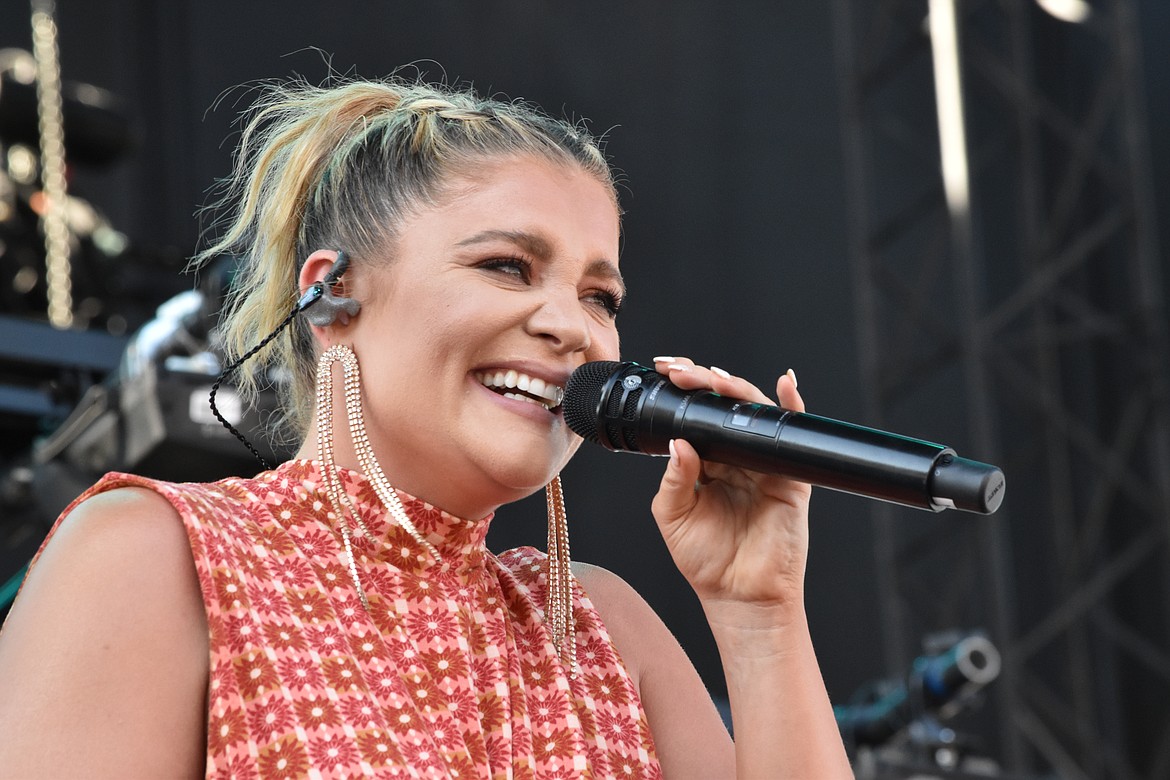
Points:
x=664 y=359
x=678 y=367
x=673 y=453
x=792 y=376
x=717 y=371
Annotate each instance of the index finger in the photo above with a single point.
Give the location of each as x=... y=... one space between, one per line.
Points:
x=686 y=375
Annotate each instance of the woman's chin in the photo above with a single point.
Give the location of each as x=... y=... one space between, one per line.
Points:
x=485 y=478
x=518 y=482
x=525 y=474
x=522 y=486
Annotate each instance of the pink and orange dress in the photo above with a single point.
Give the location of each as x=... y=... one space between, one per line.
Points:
x=450 y=674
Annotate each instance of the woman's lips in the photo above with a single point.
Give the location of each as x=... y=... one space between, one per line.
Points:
x=520 y=386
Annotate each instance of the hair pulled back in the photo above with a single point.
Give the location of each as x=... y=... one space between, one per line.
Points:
x=341 y=167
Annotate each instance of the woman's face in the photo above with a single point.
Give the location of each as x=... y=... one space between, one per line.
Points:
x=509 y=285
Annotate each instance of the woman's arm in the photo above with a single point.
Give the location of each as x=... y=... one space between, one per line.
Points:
x=741 y=540
x=689 y=735
x=784 y=724
x=103 y=658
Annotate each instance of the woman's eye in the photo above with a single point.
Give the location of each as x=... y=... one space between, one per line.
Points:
x=510 y=266
x=610 y=302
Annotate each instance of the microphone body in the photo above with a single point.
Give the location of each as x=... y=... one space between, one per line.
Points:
x=627 y=407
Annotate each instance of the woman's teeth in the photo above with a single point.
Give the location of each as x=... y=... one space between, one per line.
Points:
x=533 y=389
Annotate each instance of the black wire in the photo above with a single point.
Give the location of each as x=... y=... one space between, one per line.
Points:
x=227 y=371
x=311 y=296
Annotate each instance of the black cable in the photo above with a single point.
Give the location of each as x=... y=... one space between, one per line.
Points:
x=311 y=296
x=227 y=371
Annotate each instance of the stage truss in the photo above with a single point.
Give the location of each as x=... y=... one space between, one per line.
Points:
x=1033 y=328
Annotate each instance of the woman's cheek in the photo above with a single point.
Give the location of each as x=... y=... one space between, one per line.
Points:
x=610 y=344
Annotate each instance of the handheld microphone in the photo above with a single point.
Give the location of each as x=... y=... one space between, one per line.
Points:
x=627 y=407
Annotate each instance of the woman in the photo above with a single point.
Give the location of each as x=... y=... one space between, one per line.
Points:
x=340 y=613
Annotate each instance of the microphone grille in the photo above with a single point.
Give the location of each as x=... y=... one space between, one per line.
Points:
x=583 y=394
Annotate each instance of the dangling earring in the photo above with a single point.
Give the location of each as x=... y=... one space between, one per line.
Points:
x=338 y=497
x=558 y=607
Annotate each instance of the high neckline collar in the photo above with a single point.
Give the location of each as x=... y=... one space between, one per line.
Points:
x=457 y=539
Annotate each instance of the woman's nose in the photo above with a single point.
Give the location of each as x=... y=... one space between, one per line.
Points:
x=561 y=319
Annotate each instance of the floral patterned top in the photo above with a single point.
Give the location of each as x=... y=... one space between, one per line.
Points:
x=450 y=674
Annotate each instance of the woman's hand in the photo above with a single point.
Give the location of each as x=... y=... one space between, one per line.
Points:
x=741 y=540
x=738 y=536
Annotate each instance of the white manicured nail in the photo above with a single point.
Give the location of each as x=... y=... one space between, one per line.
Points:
x=792 y=376
x=664 y=359
x=720 y=372
x=678 y=367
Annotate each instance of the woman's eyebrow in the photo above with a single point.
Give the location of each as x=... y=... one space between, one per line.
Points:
x=530 y=242
x=539 y=246
x=606 y=270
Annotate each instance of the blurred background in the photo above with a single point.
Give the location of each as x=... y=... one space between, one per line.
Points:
x=950 y=217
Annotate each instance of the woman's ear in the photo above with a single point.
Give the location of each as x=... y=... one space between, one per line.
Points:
x=316 y=267
x=324 y=270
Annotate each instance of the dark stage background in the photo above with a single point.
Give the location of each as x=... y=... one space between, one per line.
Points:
x=725 y=119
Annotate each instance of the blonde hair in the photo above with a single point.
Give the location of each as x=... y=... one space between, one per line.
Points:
x=340 y=167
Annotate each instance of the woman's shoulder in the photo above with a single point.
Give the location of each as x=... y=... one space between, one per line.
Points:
x=117 y=554
x=122 y=512
x=145 y=500
x=120 y=503
x=118 y=534
x=688 y=732
x=629 y=619
x=109 y=622
x=607 y=591
x=612 y=597
x=118 y=513
x=121 y=540
x=132 y=526
x=623 y=612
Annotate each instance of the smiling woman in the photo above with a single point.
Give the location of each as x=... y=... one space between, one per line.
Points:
x=339 y=615
x=510 y=271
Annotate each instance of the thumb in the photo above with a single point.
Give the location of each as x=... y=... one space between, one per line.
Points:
x=676 y=492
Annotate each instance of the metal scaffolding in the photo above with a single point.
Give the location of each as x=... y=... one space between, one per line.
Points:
x=1031 y=325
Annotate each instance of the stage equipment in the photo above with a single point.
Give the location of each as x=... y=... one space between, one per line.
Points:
x=112 y=284
x=904 y=728
x=937 y=684
x=147 y=414
x=44 y=372
x=1039 y=297
x=151 y=417
x=96 y=124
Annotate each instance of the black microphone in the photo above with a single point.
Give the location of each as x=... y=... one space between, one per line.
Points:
x=628 y=407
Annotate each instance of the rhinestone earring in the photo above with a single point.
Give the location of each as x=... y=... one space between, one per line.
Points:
x=338 y=497
x=558 y=608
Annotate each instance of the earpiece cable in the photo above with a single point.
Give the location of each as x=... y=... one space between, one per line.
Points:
x=311 y=296
x=228 y=371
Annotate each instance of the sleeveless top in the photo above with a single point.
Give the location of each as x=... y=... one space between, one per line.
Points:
x=450 y=674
